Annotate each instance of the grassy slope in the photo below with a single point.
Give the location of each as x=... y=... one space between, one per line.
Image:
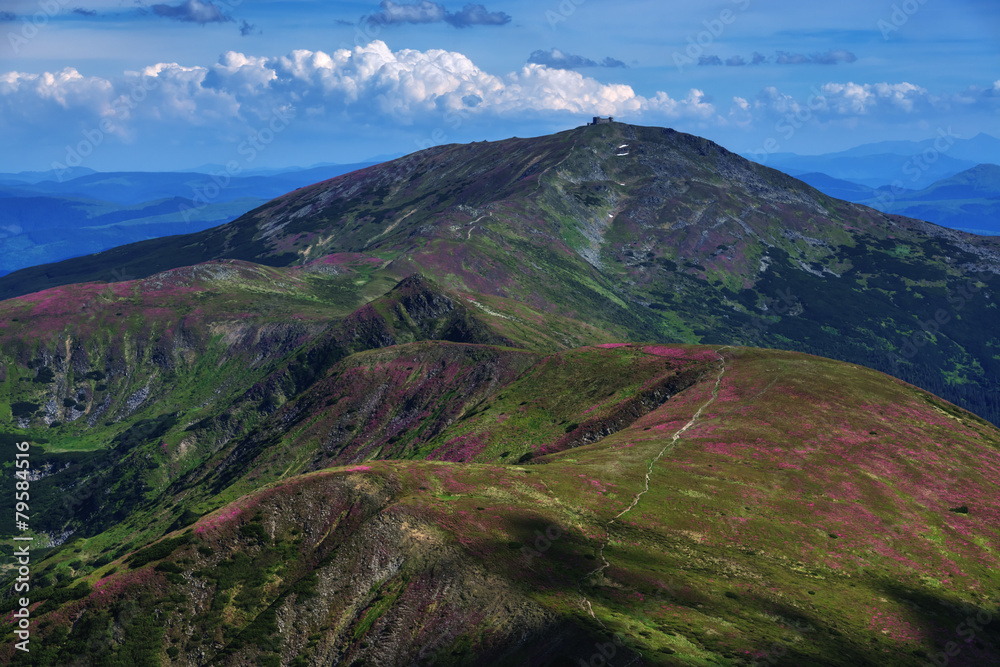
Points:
x=184 y=334
x=109 y=376
x=140 y=407
x=804 y=518
x=672 y=239
x=278 y=343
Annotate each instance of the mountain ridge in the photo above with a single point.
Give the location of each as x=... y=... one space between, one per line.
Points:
x=965 y=201
x=512 y=403
x=671 y=238
x=968 y=200
x=884 y=163
x=366 y=543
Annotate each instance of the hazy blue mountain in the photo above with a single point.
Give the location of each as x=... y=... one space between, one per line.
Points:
x=44 y=221
x=969 y=201
x=837 y=187
x=129 y=188
x=871 y=170
x=214 y=168
x=915 y=164
x=39 y=176
x=40 y=230
x=980 y=148
x=982 y=181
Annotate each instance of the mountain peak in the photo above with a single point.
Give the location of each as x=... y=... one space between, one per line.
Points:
x=981 y=181
x=645 y=232
x=984 y=169
x=414 y=282
x=430 y=325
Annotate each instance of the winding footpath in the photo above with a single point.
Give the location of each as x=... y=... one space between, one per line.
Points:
x=635 y=501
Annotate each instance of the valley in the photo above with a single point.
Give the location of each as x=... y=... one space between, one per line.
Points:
x=528 y=402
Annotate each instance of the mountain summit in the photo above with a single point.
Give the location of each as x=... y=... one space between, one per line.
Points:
x=649 y=232
x=492 y=405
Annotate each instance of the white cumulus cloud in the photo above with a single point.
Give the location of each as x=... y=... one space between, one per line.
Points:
x=403 y=85
x=423 y=12
x=29 y=97
x=837 y=99
x=853 y=98
x=367 y=85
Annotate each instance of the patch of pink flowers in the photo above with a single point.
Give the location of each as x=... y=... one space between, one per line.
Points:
x=217 y=520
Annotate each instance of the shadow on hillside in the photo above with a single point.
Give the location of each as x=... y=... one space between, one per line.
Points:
x=790 y=634
x=548 y=559
x=963 y=634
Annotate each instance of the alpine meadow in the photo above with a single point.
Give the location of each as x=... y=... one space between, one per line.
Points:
x=606 y=394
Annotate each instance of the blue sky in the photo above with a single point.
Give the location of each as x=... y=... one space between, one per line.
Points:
x=137 y=85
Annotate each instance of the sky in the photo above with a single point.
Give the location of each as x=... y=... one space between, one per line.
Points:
x=155 y=86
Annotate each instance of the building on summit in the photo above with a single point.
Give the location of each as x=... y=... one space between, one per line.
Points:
x=602 y=121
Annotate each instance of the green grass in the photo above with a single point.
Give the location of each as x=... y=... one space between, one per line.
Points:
x=718 y=558
x=807 y=509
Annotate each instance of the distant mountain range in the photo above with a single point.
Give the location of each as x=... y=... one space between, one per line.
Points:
x=969 y=200
x=949 y=181
x=915 y=164
x=22 y=177
x=980 y=148
x=43 y=219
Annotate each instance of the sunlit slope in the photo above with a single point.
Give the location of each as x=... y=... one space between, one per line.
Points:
x=797 y=510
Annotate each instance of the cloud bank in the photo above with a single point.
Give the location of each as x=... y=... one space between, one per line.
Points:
x=364 y=83
x=372 y=88
x=831 y=57
x=557 y=59
x=192 y=11
x=432 y=12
